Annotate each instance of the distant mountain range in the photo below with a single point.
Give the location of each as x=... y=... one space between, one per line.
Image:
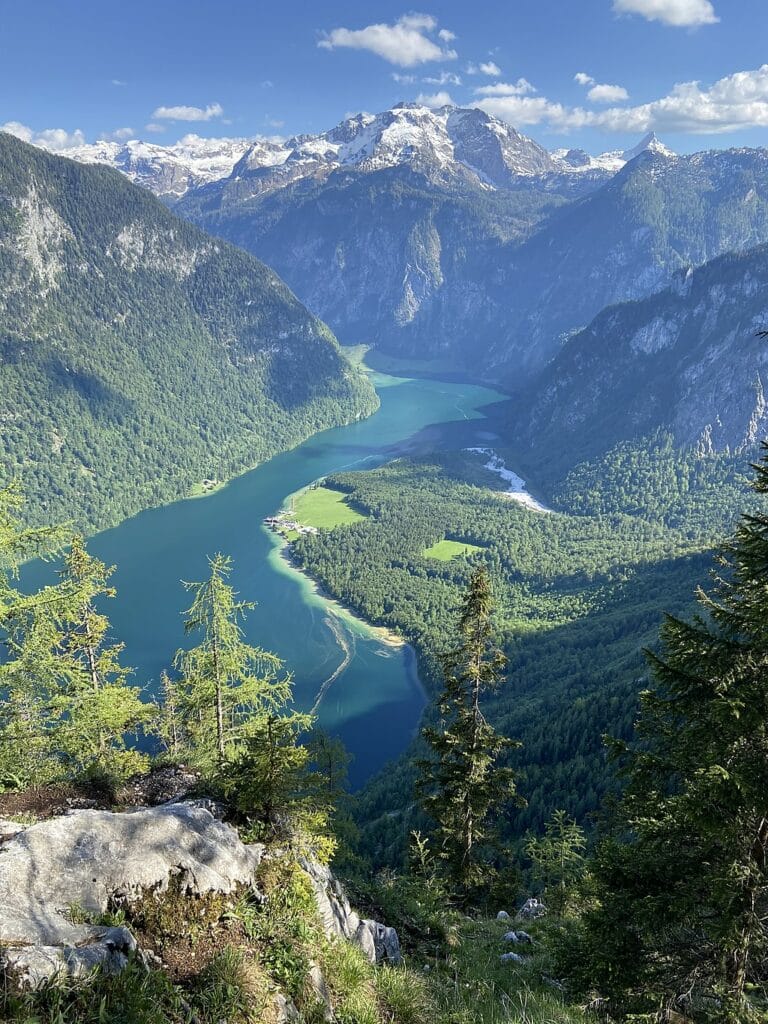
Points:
x=448 y=145
x=138 y=355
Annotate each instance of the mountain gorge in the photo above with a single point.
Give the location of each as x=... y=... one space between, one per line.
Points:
x=139 y=356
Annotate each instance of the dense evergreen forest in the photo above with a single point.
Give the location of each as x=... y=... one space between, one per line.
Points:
x=139 y=357
x=580 y=591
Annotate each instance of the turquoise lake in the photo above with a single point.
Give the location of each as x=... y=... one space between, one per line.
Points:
x=371 y=695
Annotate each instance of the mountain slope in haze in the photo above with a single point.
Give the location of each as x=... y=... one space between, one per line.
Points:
x=139 y=356
x=686 y=360
x=661 y=213
x=385 y=257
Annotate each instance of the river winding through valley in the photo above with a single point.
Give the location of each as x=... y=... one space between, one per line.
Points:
x=361 y=685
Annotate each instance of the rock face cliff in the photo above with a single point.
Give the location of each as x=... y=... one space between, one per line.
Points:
x=688 y=359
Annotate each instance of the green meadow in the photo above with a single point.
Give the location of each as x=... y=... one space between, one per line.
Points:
x=324 y=508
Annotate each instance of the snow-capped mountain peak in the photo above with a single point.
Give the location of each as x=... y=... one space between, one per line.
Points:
x=447 y=145
x=167 y=170
x=649 y=143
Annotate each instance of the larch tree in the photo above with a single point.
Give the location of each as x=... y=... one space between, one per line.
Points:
x=226 y=684
x=94 y=704
x=463 y=787
x=26 y=632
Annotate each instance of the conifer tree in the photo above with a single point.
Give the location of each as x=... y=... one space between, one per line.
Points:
x=463 y=786
x=28 y=635
x=558 y=860
x=329 y=762
x=226 y=684
x=269 y=776
x=94 y=705
x=683 y=880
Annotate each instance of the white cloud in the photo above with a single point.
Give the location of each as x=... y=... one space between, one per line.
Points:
x=438 y=99
x=155 y=128
x=607 y=94
x=118 y=81
x=524 y=110
x=117 y=135
x=601 y=93
x=446 y=35
x=58 y=140
x=403 y=79
x=406 y=43
x=522 y=87
x=184 y=113
x=735 y=102
x=680 y=13
x=444 y=78
x=489 y=68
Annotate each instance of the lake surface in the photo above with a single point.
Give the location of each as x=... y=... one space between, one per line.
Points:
x=371 y=695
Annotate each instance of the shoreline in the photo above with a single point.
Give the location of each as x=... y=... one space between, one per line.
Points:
x=383 y=634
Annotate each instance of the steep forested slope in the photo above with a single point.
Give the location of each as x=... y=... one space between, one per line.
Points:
x=138 y=356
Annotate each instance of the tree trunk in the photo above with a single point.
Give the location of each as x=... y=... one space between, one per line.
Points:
x=219 y=702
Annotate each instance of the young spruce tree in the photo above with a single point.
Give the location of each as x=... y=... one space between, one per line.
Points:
x=463 y=787
x=683 y=880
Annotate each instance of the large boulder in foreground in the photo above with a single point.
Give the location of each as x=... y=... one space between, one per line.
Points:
x=59 y=871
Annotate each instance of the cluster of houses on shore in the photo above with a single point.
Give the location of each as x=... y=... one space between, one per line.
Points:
x=284 y=524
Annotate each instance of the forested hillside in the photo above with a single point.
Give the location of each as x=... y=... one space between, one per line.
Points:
x=580 y=591
x=138 y=356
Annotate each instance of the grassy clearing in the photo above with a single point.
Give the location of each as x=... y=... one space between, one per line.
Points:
x=472 y=986
x=447 y=550
x=324 y=508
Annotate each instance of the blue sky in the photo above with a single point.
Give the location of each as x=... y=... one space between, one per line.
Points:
x=105 y=68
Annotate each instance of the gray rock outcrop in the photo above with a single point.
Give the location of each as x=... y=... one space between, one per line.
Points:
x=80 y=864
x=379 y=942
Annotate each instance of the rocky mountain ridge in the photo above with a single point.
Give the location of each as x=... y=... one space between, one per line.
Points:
x=688 y=359
x=448 y=145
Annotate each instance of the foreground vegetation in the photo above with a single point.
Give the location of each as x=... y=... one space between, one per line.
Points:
x=661 y=919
